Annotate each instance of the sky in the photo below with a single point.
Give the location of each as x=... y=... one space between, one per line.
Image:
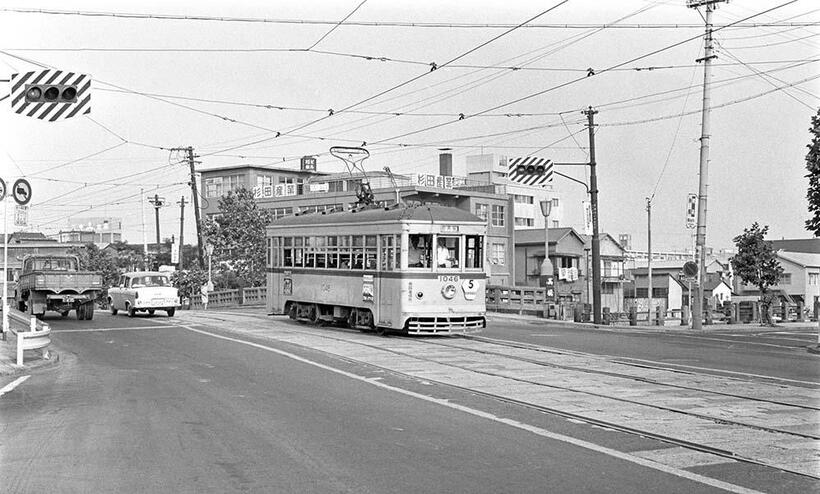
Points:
x=227 y=78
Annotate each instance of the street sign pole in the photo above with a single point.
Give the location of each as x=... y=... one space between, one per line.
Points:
x=5 y=269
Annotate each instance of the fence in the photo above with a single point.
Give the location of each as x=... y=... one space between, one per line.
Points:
x=38 y=335
x=226 y=298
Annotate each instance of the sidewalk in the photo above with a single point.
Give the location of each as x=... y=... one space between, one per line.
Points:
x=33 y=358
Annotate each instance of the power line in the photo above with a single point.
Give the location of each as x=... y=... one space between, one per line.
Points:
x=573 y=81
x=336 y=26
x=443 y=25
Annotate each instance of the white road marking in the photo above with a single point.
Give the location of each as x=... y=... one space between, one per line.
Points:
x=513 y=423
x=95 y=330
x=10 y=386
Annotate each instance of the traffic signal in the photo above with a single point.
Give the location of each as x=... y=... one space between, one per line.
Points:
x=531 y=169
x=51 y=93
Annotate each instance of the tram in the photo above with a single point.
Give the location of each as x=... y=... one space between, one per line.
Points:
x=416 y=270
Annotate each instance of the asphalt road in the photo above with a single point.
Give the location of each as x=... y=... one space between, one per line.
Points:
x=746 y=350
x=138 y=405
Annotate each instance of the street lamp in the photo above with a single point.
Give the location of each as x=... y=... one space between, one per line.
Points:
x=546 y=265
x=209 y=249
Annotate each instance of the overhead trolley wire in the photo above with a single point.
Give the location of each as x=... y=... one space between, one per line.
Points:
x=406 y=24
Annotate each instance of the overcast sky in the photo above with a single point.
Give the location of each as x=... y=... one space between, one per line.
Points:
x=226 y=85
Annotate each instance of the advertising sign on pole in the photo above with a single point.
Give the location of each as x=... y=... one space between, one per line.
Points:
x=691 y=210
x=20 y=215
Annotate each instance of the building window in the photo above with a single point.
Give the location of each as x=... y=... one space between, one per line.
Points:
x=607 y=288
x=555 y=223
x=233 y=182
x=785 y=279
x=213 y=187
x=264 y=180
x=522 y=199
x=497 y=216
x=555 y=202
x=497 y=255
x=524 y=222
x=814 y=278
x=481 y=210
x=642 y=292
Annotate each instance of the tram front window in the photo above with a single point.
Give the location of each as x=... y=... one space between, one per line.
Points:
x=418 y=256
x=447 y=252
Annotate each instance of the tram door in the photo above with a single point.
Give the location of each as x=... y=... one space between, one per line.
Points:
x=275 y=299
x=385 y=286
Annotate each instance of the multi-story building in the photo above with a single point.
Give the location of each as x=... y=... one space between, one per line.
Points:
x=98 y=230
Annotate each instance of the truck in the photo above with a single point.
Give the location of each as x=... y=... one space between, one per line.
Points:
x=55 y=283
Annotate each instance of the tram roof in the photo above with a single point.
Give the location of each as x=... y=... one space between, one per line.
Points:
x=426 y=213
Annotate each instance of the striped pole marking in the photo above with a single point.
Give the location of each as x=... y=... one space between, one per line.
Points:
x=46 y=110
x=525 y=179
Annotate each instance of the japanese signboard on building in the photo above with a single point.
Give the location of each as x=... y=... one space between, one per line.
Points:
x=268 y=191
x=439 y=181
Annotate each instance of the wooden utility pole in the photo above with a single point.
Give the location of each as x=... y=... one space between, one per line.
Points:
x=700 y=247
x=157 y=202
x=649 y=254
x=181 y=229
x=190 y=158
x=593 y=199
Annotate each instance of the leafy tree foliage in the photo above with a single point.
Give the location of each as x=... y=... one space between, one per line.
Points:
x=813 y=166
x=100 y=261
x=189 y=281
x=238 y=237
x=756 y=264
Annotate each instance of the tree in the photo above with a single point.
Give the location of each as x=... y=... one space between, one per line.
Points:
x=756 y=264
x=813 y=165
x=238 y=237
x=100 y=261
x=189 y=281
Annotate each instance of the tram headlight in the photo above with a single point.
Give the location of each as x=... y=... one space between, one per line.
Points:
x=448 y=291
x=419 y=295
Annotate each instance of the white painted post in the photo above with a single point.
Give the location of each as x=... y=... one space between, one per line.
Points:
x=19 y=349
x=33 y=324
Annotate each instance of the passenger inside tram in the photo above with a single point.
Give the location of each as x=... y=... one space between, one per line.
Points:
x=419 y=254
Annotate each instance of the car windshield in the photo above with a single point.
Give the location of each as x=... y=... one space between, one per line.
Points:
x=153 y=280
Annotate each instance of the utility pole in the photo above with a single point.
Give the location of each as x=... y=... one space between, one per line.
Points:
x=144 y=236
x=181 y=229
x=697 y=303
x=157 y=202
x=596 y=240
x=649 y=252
x=189 y=157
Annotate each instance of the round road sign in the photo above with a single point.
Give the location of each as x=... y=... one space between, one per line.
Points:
x=21 y=191
x=690 y=269
x=2 y=189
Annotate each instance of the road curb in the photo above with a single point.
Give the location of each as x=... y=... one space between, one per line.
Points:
x=9 y=368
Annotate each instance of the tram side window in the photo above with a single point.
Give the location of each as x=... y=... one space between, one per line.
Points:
x=358 y=252
x=333 y=252
x=287 y=252
x=371 y=248
x=418 y=256
x=321 y=252
x=298 y=251
x=474 y=252
x=388 y=253
x=447 y=252
x=344 y=252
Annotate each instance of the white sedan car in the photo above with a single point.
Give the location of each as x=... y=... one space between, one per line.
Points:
x=143 y=291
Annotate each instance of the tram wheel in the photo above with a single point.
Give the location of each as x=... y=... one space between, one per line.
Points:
x=313 y=313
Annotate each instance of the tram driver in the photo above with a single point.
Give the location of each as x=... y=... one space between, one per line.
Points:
x=445 y=260
x=418 y=255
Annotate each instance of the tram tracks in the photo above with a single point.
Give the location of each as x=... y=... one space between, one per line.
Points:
x=775 y=426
